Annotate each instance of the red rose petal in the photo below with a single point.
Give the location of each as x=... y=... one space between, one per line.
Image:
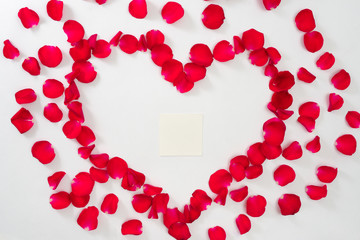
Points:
x=142 y=43
x=50 y=56
x=141 y=202
x=282 y=81
x=55 y=179
x=255 y=206
x=31 y=65
x=284 y=114
x=99 y=175
x=341 y=80
x=75 y=111
x=284 y=175
x=74 y=31
x=26 y=95
x=274 y=55
x=310 y=109
x=29 y=18
x=326 y=174
x=71 y=93
x=154 y=37
x=237 y=167
x=289 y=204
x=55 y=9
x=53 y=88
x=271 y=151
x=131 y=227
x=221 y=197
x=353 y=119
x=314 y=145
x=60 y=200
x=282 y=100
x=270 y=71
x=22 y=120
x=271 y=4
x=82 y=184
x=243 y=223
x=129 y=44
x=151 y=190
x=346 y=144
x=171 y=216
x=293 y=151
x=43 y=151
x=116 y=39
x=179 y=231
x=101 y=2
x=86 y=72
x=238 y=45
x=84 y=152
x=217 y=233
x=335 y=102
x=92 y=41
x=305 y=20
x=213 y=16
x=307 y=122
x=172 y=12
x=159 y=205
x=201 y=55
x=239 y=194
x=223 y=51
x=110 y=204
x=81 y=51
x=10 y=51
x=161 y=53
x=259 y=57
x=274 y=131
x=200 y=200
x=326 y=61
x=183 y=84
x=72 y=129
x=194 y=72
x=316 y=192
x=138 y=8
x=88 y=218
x=117 y=168
x=133 y=180
x=253 y=39
x=191 y=214
x=102 y=49
x=313 y=41
x=171 y=69
x=305 y=76
x=99 y=160
x=53 y=113
x=79 y=201
x=219 y=180
x=253 y=172
x=255 y=155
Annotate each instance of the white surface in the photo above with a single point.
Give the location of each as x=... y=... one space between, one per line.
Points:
x=124 y=103
x=180 y=134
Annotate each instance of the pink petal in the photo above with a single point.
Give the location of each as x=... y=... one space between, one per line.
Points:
x=274 y=55
x=217 y=233
x=200 y=200
x=326 y=174
x=53 y=88
x=310 y=109
x=133 y=180
x=238 y=45
x=102 y=49
x=305 y=20
x=191 y=214
x=82 y=184
x=305 y=76
x=243 y=223
x=274 y=131
x=326 y=61
x=314 y=145
x=161 y=53
x=159 y=205
x=50 y=56
x=179 y=231
x=99 y=160
x=117 y=168
x=253 y=40
x=172 y=12
x=255 y=155
x=289 y=204
x=271 y=151
x=60 y=200
x=221 y=197
x=79 y=201
x=84 y=152
x=201 y=55
x=341 y=80
x=31 y=65
x=53 y=113
x=259 y=57
x=55 y=179
x=116 y=39
x=353 y=119
x=194 y=72
x=74 y=31
x=171 y=69
x=72 y=129
x=110 y=204
x=154 y=37
x=253 y=172
x=10 y=51
x=138 y=8
x=313 y=41
x=86 y=72
x=129 y=44
x=293 y=151
x=183 y=84
x=219 y=180
x=99 y=175
x=213 y=16
x=271 y=4
x=29 y=18
x=307 y=122
x=26 y=95
x=316 y=192
x=141 y=202
x=55 y=9
x=346 y=144
x=22 y=120
x=81 y=51
x=142 y=43
x=255 y=206
x=43 y=151
x=335 y=102
x=151 y=190
x=88 y=218
x=71 y=93
x=237 y=167
x=223 y=51
x=284 y=175
x=270 y=71
x=239 y=194
x=75 y=111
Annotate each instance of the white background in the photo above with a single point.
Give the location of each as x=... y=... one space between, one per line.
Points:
x=124 y=103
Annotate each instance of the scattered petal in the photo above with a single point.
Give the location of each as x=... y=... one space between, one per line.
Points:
x=274 y=55
x=171 y=216
x=274 y=131
x=282 y=81
x=289 y=204
x=191 y=214
x=159 y=205
x=255 y=155
x=335 y=102
x=341 y=80
x=55 y=179
x=110 y=204
x=142 y=43
x=88 y=218
x=305 y=21
x=201 y=55
x=310 y=109
x=116 y=39
x=270 y=71
x=71 y=93
x=271 y=4
x=259 y=57
x=10 y=51
x=239 y=194
x=200 y=200
x=253 y=172
x=282 y=100
x=316 y=192
x=213 y=16
x=284 y=175
x=85 y=71
x=161 y=53
x=99 y=160
x=153 y=38
x=183 y=84
x=31 y=65
x=60 y=200
x=221 y=197
x=74 y=31
x=194 y=72
x=172 y=12
x=237 y=167
x=76 y=112
x=255 y=206
x=43 y=151
x=238 y=45
x=26 y=95
x=305 y=76
x=133 y=180
x=55 y=9
x=138 y=8
x=53 y=113
x=223 y=51
x=179 y=231
x=243 y=223
x=22 y=120
x=82 y=184
x=271 y=151
x=314 y=145
x=84 y=152
x=217 y=233
x=53 y=88
x=50 y=56
x=307 y=122
x=326 y=61
x=117 y=168
x=253 y=39
x=353 y=119
x=326 y=174
x=129 y=44
x=79 y=201
x=29 y=18
x=99 y=175
x=151 y=190
x=313 y=41
x=293 y=151
x=219 y=180
x=102 y=49
x=72 y=129
x=141 y=202
x=346 y=144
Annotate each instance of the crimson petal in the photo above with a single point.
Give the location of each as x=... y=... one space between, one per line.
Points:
x=201 y=55
x=274 y=131
x=326 y=174
x=154 y=37
x=191 y=213
x=213 y=16
x=79 y=201
x=141 y=202
x=29 y=18
x=43 y=151
x=346 y=144
x=221 y=197
x=253 y=172
x=259 y=57
x=282 y=81
x=60 y=200
x=75 y=111
x=72 y=129
x=282 y=99
x=307 y=122
x=129 y=44
x=253 y=39
x=255 y=206
x=335 y=102
x=271 y=151
x=84 y=152
x=289 y=204
x=238 y=45
x=132 y=227
x=243 y=223
x=270 y=71
x=26 y=95
x=313 y=41
x=55 y=9
x=85 y=71
x=88 y=218
x=219 y=180
x=55 y=179
x=110 y=204
x=138 y=8
x=316 y=192
x=81 y=51
x=102 y=49
x=53 y=88
x=325 y=61
x=82 y=184
x=255 y=155
x=142 y=43
x=223 y=51
x=200 y=200
x=271 y=4
x=74 y=31
x=116 y=39
x=22 y=120
x=274 y=55
x=161 y=53
x=172 y=12
x=353 y=119
x=183 y=84
x=53 y=113
x=179 y=231
x=31 y=65
x=71 y=93
x=10 y=51
x=99 y=160
x=293 y=151
x=99 y=175
x=133 y=180
x=305 y=76
x=171 y=69
x=151 y=190
x=217 y=233
x=305 y=20
x=310 y=109
x=117 y=168
x=50 y=56
x=341 y=80
x=314 y=145
x=240 y=194
x=159 y=205
x=237 y=167
x=171 y=216
x=284 y=175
